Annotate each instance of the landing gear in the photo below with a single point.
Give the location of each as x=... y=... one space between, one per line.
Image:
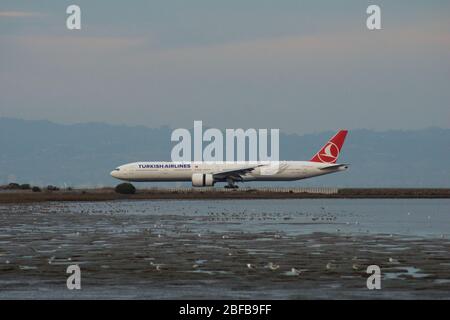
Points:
x=228 y=186
x=231 y=184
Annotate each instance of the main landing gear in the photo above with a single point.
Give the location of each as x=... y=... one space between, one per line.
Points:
x=231 y=184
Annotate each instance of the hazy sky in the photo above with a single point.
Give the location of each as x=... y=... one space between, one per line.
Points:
x=302 y=66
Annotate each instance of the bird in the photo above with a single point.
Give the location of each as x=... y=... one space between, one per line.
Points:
x=250 y=266
x=293 y=272
x=273 y=266
x=330 y=266
x=156 y=265
x=392 y=260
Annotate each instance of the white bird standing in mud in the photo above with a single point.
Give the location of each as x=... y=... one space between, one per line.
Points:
x=293 y=272
x=392 y=260
x=273 y=266
x=330 y=266
x=157 y=266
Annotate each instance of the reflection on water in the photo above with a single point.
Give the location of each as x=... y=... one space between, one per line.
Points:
x=301 y=248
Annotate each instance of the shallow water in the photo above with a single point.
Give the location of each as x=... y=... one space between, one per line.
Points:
x=227 y=248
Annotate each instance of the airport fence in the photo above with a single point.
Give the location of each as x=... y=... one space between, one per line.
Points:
x=315 y=190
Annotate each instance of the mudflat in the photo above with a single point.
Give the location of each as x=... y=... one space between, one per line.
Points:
x=293 y=249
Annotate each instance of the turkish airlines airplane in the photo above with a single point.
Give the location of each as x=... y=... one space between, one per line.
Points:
x=203 y=174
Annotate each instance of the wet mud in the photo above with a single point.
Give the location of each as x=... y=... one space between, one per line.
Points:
x=145 y=251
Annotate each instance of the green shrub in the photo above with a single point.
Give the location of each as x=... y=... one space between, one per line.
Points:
x=125 y=188
x=13 y=186
x=36 y=189
x=25 y=186
x=52 y=188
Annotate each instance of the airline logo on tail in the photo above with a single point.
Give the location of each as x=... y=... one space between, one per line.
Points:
x=330 y=152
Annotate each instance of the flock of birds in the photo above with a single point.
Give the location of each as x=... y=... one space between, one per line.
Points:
x=112 y=209
x=274 y=267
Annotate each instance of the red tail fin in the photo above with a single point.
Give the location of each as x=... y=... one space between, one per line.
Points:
x=330 y=152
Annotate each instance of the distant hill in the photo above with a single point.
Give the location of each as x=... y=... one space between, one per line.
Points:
x=42 y=152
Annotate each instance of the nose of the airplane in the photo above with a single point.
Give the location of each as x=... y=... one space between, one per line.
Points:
x=113 y=174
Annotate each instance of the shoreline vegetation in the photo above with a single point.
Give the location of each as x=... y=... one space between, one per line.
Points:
x=108 y=194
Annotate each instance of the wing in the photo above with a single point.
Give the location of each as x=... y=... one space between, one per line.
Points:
x=235 y=173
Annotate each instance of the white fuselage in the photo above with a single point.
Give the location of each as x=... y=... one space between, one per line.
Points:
x=183 y=171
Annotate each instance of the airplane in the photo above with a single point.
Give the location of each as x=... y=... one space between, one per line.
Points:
x=206 y=174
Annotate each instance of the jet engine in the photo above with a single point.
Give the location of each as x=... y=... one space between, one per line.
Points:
x=202 y=180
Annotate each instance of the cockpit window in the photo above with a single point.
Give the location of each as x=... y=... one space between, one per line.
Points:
x=117 y=169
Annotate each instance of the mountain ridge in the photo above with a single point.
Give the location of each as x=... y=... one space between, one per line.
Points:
x=43 y=152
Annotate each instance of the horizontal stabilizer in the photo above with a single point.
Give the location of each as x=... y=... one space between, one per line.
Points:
x=336 y=166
